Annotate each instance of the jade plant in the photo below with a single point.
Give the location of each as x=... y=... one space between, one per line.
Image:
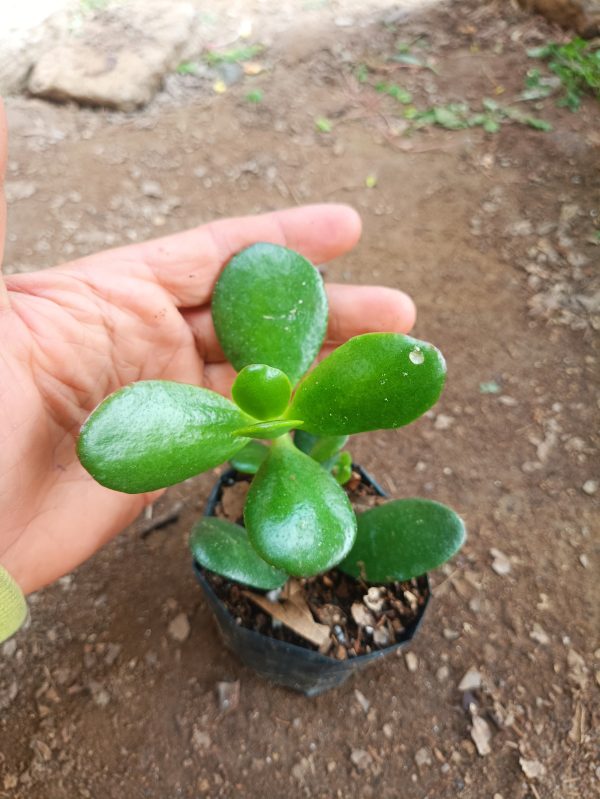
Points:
x=286 y=425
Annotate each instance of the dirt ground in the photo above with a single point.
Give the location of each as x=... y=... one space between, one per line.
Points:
x=108 y=694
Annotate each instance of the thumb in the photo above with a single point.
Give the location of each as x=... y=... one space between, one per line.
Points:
x=3 y=156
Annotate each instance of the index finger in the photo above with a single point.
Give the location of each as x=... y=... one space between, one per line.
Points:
x=187 y=264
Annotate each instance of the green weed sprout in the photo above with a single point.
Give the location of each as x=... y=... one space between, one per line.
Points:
x=270 y=314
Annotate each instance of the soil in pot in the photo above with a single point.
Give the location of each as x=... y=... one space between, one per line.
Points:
x=361 y=618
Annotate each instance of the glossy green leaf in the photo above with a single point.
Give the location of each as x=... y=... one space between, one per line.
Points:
x=297 y=516
x=372 y=382
x=250 y=459
x=272 y=429
x=262 y=391
x=269 y=306
x=320 y=448
x=224 y=548
x=403 y=539
x=157 y=433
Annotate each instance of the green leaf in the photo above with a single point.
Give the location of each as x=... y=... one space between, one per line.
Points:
x=449 y=119
x=320 y=448
x=342 y=468
x=249 y=459
x=233 y=56
x=223 y=547
x=372 y=382
x=400 y=94
x=262 y=391
x=271 y=429
x=323 y=125
x=156 y=433
x=187 y=68
x=403 y=539
x=269 y=306
x=297 y=516
x=538 y=124
x=491 y=125
x=255 y=96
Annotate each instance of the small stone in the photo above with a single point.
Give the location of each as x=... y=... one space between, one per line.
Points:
x=9 y=648
x=590 y=487
x=179 y=628
x=112 y=653
x=361 y=615
x=423 y=757
x=200 y=739
x=500 y=564
x=8 y=695
x=584 y=560
x=381 y=636
x=442 y=673
x=510 y=402
x=412 y=662
x=101 y=697
x=451 y=635
x=522 y=227
x=361 y=759
x=388 y=731
x=42 y=749
x=151 y=188
x=481 y=735
x=471 y=681
x=300 y=771
x=228 y=694
x=362 y=700
x=19 y=190
x=443 y=422
x=539 y=634
x=532 y=769
x=373 y=599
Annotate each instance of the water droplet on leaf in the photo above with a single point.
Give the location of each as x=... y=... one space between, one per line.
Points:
x=416 y=356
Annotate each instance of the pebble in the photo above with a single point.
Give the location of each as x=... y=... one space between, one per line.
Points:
x=388 y=731
x=532 y=769
x=451 y=635
x=590 y=487
x=151 y=188
x=200 y=739
x=500 y=564
x=442 y=673
x=423 y=757
x=443 y=422
x=523 y=227
x=412 y=662
x=179 y=628
x=362 y=700
x=381 y=636
x=228 y=694
x=9 y=648
x=361 y=759
x=539 y=634
x=471 y=680
x=481 y=735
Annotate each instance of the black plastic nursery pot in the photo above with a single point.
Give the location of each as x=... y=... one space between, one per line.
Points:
x=287 y=664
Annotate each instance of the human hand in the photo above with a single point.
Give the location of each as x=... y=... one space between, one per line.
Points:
x=73 y=334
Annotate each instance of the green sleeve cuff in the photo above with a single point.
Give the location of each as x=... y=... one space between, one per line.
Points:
x=13 y=608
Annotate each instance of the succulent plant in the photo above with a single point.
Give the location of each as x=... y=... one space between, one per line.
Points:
x=270 y=314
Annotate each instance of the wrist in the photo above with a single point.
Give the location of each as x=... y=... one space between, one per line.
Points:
x=13 y=608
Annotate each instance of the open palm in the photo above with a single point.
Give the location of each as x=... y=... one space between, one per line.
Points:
x=73 y=334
